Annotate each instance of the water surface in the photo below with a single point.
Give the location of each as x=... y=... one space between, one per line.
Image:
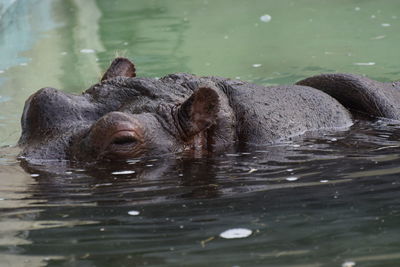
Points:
x=323 y=201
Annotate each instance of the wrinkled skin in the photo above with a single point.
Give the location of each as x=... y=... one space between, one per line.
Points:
x=127 y=117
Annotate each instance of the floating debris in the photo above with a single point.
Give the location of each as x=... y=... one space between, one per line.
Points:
x=265 y=18
x=123 y=172
x=236 y=233
x=364 y=63
x=203 y=242
x=133 y=212
x=87 y=51
x=256 y=65
x=292 y=179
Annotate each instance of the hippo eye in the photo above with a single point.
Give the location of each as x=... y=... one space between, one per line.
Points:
x=124 y=140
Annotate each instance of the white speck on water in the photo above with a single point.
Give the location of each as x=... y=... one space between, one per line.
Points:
x=265 y=18
x=1 y=71
x=252 y=170
x=102 y=229
x=208 y=64
x=324 y=181
x=35 y=175
x=385 y=24
x=180 y=175
x=133 y=212
x=333 y=139
x=126 y=43
x=236 y=233
x=226 y=37
x=292 y=179
x=364 y=63
x=378 y=37
x=256 y=65
x=394 y=17
x=68 y=172
x=289 y=170
x=63 y=53
x=104 y=184
x=87 y=51
x=181 y=226
x=1 y=199
x=149 y=165
x=237 y=77
x=295 y=145
x=373 y=16
x=232 y=155
x=357 y=8
x=23 y=64
x=348 y=264
x=123 y=172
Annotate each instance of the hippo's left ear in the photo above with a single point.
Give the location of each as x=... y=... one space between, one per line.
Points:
x=198 y=112
x=120 y=67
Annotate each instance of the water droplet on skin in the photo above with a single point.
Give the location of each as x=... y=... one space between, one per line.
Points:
x=236 y=233
x=123 y=172
x=87 y=51
x=133 y=212
x=265 y=18
x=292 y=179
x=256 y=65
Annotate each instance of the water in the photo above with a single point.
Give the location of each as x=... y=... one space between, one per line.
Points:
x=327 y=201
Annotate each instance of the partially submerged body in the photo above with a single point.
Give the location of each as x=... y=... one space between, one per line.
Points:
x=126 y=117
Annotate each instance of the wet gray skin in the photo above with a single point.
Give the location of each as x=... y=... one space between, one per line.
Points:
x=127 y=117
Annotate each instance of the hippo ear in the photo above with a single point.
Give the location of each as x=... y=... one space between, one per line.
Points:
x=198 y=112
x=120 y=67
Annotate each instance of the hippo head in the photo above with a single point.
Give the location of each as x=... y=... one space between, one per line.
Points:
x=126 y=117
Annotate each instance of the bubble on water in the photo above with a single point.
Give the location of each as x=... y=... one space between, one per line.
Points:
x=123 y=172
x=357 y=8
x=265 y=18
x=87 y=51
x=385 y=24
x=324 y=181
x=133 y=212
x=292 y=179
x=348 y=264
x=256 y=65
x=236 y=233
x=364 y=63
x=35 y=175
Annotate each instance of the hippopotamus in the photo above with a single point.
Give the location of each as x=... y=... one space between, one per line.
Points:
x=124 y=116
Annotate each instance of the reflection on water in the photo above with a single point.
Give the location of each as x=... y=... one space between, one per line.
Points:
x=310 y=202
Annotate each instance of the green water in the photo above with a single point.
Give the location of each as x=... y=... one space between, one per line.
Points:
x=74 y=219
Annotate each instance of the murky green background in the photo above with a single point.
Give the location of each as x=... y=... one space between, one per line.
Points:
x=64 y=220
